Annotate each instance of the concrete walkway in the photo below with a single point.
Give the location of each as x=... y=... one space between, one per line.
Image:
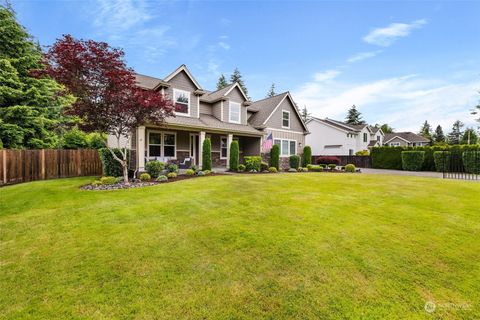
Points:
x=428 y=174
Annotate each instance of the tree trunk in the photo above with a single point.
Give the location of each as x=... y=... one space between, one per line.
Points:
x=125 y=172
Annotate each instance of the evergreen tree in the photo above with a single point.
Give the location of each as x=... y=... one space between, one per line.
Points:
x=469 y=137
x=222 y=82
x=237 y=77
x=305 y=114
x=455 y=135
x=271 y=92
x=426 y=131
x=30 y=103
x=438 y=135
x=354 y=116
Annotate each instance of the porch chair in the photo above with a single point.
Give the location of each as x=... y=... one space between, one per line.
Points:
x=185 y=164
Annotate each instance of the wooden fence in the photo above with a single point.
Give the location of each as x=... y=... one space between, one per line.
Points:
x=18 y=166
x=358 y=161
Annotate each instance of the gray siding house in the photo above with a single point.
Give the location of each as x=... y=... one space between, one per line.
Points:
x=405 y=139
x=223 y=116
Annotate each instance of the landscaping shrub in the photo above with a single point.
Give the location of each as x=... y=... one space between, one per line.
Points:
x=302 y=169
x=309 y=166
x=172 y=168
x=350 y=168
x=275 y=156
x=234 y=156
x=111 y=167
x=362 y=153
x=96 y=183
x=442 y=160
x=294 y=161
x=387 y=158
x=412 y=160
x=108 y=180
x=306 y=156
x=316 y=168
x=328 y=160
x=74 y=139
x=171 y=175
x=154 y=168
x=145 y=177
x=253 y=163
x=332 y=166
x=162 y=178
x=292 y=170
x=272 y=170
x=190 y=172
x=207 y=172
x=241 y=167
x=263 y=166
x=207 y=154
x=96 y=140
x=471 y=161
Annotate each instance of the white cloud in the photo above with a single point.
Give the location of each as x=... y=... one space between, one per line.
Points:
x=387 y=35
x=363 y=55
x=326 y=75
x=223 y=45
x=117 y=16
x=404 y=102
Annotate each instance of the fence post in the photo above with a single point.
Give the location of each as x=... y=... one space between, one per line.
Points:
x=42 y=164
x=79 y=162
x=4 y=158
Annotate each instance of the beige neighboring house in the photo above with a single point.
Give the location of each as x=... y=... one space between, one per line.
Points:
x=223 y=116
x=405 y=139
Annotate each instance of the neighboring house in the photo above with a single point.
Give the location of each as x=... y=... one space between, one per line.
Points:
x=331 y=137
x=405 y=139
x=223 y=116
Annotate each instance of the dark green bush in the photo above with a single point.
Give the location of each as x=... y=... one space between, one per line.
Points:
x=412 y=160
x=263 y=166
x=253 y=163
x=241 y=167
x=332 y=166
x=207 y=154
x=307 y=156
x=172 y=168
x=111 y=167
x=154 y=168
x=387 y=158
x=442 y=160
x=471 y=161
x=74 y=139
x=294 y=161
x=96 y=140
x=275 y=156
x=234 y=156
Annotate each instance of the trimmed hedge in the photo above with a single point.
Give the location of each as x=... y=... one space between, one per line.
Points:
x=307 y=156
x=234 y=156
x=275 y=156
x=387 y=158
x=111 y=167
x=413 y=160
x=471 y=161
x=442 y=160
x=294 y=161
x=207 y=155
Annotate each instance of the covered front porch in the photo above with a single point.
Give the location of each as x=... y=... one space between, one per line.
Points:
x=183 y=146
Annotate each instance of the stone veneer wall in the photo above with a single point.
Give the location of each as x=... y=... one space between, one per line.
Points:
x=284 y=161
x=216 y=161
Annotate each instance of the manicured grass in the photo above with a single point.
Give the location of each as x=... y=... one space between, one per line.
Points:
x=303 y=246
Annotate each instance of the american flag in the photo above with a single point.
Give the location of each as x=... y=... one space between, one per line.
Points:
x=268 y=143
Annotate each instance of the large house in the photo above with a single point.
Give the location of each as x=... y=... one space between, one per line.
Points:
x=331 y=137
x=405 y=139
x=223 y=116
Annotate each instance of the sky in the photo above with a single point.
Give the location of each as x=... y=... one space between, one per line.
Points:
x=400 y=63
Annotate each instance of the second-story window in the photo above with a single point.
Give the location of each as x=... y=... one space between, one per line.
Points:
x=285 y=119
x=234 y=112
x=365 y=137
x=182 y=101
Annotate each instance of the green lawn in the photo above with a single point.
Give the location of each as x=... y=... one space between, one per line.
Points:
x=303 y=246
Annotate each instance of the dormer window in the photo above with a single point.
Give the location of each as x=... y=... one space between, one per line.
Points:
x=182 y=102
x=285 y=119
x=234 y=112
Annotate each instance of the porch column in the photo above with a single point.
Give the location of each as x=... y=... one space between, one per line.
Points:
x=229 y=142
x=141 y=148
x=200 y=148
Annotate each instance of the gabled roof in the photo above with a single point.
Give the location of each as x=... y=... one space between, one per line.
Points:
x=222 y=94
x=184 y=69
x=148 y=82
x=266 y=107
x=406 y=136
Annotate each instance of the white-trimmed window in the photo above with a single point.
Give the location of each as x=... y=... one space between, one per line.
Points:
x=285 y=119
x=365 y=137
x=394 y=144
x=181 y=99
x=162 y=144
x=223 y=147
x=234 y=112
x=287 y=147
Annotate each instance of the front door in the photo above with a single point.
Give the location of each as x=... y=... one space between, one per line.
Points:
x=194 y=139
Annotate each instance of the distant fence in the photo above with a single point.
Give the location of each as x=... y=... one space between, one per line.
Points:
x=358 y=161
x=18 y=166
x=458 y=165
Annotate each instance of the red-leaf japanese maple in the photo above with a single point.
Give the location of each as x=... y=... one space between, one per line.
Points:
x=108 y=99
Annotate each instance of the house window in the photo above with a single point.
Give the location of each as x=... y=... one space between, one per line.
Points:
x=378 y=138
x=365 y=137
x=168 y=145
x=154 y=144
x=234 y=112
x=285 y=119
x=287 y=147
x=350 y=152
x=394 y=144
x=223 y=148
x=182 y=101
